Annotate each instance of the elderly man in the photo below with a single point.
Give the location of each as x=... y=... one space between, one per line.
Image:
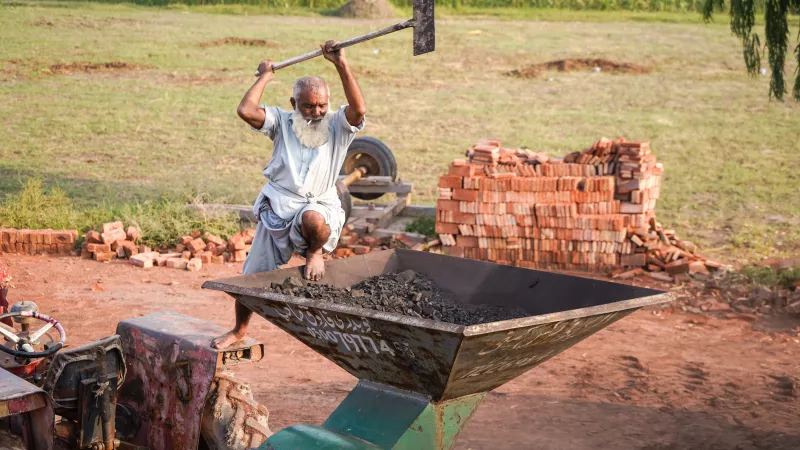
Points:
x=298 y=208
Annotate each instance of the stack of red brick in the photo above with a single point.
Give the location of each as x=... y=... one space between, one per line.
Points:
x=190 y=253
x=590 y=210
x=37 y=242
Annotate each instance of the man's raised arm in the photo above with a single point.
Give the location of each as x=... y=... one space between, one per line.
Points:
x=356 y=107
x=248 y=108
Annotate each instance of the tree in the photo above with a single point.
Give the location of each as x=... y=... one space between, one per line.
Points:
x=776 y=31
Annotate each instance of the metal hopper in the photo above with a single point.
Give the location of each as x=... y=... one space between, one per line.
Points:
x=436 y=363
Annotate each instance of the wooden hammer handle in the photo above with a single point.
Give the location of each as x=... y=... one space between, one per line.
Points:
x=343 y=44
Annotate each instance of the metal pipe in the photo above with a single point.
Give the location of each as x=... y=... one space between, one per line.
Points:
x=354 y=176
x=104 y=394
x=356 y=40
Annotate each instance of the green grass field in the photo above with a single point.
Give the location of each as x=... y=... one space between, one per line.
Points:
x=731 y=155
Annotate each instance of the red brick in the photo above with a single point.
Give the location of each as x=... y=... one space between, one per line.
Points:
x=467 y=170
x=450 y=182
x=196 y=234
x=204 y=256
x=196 y=245
x=237 y=241
x=214 y=239
x=350 y=239
x=194 y=264
x=249 y=234
x=454 y=251
x=143 y=260
x=634 y=260
x=360 y=249
x=56 y=237
x=133 y=233
x=240 y=255
x=679 y=266
x=466 y=241
x=464 y=218
x=86 y=254
x=465 y=195
x=113 y=236
x=145 y=249
x=217 y=259
x=184 y=240
x=93 y=237
x=98 y=248
x=369 y=241
x=342 y=252
x=177 y=263
x=103 y=256
x=447 y=205
x=446 y=228
x=186 y=254
x=107 y=227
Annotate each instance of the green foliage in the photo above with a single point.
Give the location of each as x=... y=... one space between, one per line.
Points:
x=766 y=276
x=34 y=207
x=423 y=225
x=162 y=221
x=776 y=31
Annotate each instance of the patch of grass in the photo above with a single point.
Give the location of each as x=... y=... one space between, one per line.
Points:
x=766 y=276
x=729 y=153
x=423 y=225
x=162 y=221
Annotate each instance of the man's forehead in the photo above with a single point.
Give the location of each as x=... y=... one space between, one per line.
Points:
x=313 y=94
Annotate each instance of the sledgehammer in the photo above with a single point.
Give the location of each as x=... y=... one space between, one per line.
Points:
x=424 y=35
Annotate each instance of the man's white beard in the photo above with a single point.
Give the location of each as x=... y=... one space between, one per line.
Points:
x=313 y=135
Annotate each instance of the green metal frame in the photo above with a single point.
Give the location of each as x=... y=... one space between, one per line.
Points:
x=377 y=416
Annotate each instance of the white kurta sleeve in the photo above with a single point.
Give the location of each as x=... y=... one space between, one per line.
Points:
x=270 y=121
x=344 y=132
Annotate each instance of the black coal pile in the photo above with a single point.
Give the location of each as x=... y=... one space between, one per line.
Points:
x=408 y=293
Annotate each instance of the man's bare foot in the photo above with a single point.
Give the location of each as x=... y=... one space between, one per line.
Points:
x=227 y=339
x=315 y=266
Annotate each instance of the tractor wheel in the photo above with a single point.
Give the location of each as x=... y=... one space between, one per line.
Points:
x=232 y=420
x=375 y=156
x=344 y=197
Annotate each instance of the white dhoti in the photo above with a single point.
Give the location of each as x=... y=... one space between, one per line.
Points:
x=276 y=239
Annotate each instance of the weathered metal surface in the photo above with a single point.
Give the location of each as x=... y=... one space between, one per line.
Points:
x=424 y=29
x=377 y=413
x=29 y=410
x=440 y=423
x=170 y=369
x=437 y=359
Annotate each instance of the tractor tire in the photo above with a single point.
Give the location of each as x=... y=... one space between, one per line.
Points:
x=232 y=420
x=344 y=198
x=375 y=156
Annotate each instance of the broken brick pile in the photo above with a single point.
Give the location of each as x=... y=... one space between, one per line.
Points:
x=116 y=241
x=37 y=242
x=351 y=243
x=591 y=210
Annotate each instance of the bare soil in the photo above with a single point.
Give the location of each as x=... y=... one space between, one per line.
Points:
x=657 y=379
x=87 y=67
x=408 y=293
x=366 y=9
x=240 y=41
x=578 y=65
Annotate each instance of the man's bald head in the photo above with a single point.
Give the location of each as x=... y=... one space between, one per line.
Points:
x=310 y=97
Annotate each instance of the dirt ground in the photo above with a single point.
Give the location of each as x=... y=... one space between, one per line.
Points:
x=654 y=380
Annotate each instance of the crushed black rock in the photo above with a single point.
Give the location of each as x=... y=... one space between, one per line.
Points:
x=408 y=293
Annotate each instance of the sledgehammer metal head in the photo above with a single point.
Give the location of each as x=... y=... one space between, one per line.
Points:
x=424 y=35
x=424 y=29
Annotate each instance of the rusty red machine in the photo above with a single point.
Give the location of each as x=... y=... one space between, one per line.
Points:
x=156 y=383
